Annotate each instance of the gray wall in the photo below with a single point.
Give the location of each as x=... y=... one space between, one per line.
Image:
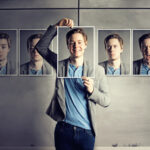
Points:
x=24 y=100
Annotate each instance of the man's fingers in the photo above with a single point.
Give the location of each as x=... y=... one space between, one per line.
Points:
x=70 y=23
x=88 y=80
x=85 y=78
x=66 y=22
x=86 y=83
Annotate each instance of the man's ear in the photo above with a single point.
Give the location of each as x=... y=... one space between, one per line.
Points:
x=85 y=44
x=121 y=48
x=68 y=46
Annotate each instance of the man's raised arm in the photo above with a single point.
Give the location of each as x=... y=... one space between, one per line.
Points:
x=43 y=45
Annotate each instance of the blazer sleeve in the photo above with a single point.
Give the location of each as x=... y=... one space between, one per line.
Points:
x=43 y=46
x=100 y=93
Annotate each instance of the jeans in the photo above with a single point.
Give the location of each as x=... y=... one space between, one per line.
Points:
x=69 y=137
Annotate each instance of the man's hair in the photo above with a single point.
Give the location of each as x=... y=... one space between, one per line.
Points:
x=32 y=37
x=6 y=36
x=76 y=30
x=113 y=36
x=143 y=37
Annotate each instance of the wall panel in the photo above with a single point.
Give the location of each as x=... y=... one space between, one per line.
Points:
x=17 y=4
x=114 y=4
x=34 y=19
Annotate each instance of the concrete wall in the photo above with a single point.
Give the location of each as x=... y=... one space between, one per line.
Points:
x=24 y=100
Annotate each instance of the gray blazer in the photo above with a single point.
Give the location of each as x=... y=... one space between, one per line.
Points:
x=100 y=95
x=137 y=66
x=10 y=68
x=124 y=70
x=46 y=68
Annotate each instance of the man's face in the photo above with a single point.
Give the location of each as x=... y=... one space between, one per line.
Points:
x=114 y=49
x=35 y=56
x=77 y=45
x=4 y=49
x=145 y=49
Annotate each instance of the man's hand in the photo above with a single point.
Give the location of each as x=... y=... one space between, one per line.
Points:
x=65 y=22
x=89 y=84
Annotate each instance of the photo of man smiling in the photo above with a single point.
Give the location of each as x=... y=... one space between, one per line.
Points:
x=75 y=48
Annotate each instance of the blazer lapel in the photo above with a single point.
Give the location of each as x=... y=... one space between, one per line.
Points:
x=85 y=69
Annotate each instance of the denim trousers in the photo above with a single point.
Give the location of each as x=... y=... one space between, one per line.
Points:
x=69 y=137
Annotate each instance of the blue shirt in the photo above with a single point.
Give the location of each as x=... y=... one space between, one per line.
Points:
x=76 y=102
x=35 y=72
x=3 y=70
x=112 y=71
x=144 y=70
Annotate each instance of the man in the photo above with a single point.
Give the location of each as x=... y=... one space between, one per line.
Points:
x=74 y=101
x=142 y=66
x=114 y=47
x=76 y=40
x=36 y=65
x=6 y=67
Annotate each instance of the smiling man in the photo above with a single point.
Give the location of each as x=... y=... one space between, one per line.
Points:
x=76 y=41
x=36 y=65
x=114 y=47
x=74 y=103
x=142 y=66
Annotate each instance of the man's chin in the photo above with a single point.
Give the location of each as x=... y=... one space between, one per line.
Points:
x=113 y=59
x=37 y=60
x=76 y=56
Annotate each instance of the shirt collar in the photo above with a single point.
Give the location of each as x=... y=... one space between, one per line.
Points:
x=3 y=70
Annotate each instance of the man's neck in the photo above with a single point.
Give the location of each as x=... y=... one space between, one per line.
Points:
x=3 y=63
x=36 y=65
x=115 y=63
x=77 y=61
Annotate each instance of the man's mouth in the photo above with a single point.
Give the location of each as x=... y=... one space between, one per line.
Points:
x=36 y=55
x=76 y=49
x=112 y=54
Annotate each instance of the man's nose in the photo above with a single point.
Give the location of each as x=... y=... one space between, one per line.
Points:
x=35 y=51
x=111 y=49
x=75 y=45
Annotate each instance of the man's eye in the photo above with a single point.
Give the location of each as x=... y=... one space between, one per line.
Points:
x=108 y=47
x=3 y=47
x=31 y=49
